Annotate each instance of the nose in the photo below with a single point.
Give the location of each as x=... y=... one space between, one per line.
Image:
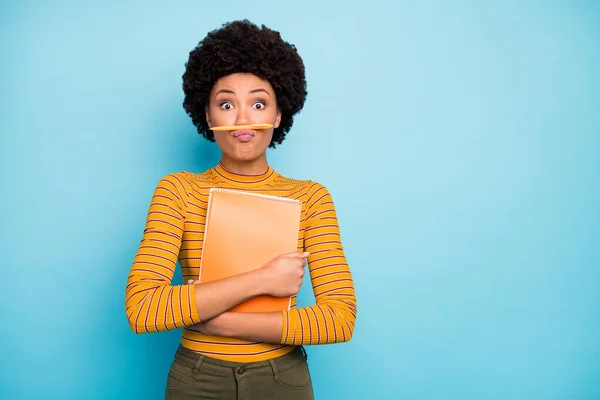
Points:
x=242 y=116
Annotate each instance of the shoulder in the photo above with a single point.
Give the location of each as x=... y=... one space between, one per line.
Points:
x=312 y=192
x=175 y=184
x=183 y=181
x=179 y=179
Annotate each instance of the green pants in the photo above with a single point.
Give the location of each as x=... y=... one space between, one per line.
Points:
x=194 y=376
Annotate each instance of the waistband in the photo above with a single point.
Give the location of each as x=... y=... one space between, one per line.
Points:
x=199 y=362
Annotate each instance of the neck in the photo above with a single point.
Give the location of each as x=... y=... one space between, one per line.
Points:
x=254 y=167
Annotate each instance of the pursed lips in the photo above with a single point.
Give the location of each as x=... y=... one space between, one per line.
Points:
x=243 y=135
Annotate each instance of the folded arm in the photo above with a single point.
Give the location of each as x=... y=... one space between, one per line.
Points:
x=152 y=304
x=331 y=319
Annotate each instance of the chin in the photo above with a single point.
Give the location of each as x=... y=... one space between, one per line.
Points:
x=243 y=152
x=245 y=156
x=248 y=157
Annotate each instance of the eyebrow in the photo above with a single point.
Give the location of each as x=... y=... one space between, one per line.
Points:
x=224 y=91
x=232 y=92
x=260 y=90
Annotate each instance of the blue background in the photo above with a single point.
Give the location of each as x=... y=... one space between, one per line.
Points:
x=460 y=143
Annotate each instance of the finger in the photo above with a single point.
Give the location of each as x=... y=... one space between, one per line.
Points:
x=301 y=262
x=298 y=254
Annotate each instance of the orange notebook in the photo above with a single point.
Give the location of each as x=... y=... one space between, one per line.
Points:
x=243 y=232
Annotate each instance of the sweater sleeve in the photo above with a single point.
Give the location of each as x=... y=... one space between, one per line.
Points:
x=152 y=304
x=332 y=318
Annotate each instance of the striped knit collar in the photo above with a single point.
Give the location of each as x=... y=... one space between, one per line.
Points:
x=244 y=180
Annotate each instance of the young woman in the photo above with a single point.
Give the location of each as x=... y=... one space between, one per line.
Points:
x=240 y=74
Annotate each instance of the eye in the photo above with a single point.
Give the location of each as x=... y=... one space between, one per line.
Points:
x=259 y=105
x=226 y=106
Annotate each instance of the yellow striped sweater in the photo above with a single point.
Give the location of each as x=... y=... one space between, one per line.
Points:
x=174 y=232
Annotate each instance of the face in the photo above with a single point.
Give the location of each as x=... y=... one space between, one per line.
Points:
x=243 y=99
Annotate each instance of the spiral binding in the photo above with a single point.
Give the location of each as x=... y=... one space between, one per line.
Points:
x=265 y=196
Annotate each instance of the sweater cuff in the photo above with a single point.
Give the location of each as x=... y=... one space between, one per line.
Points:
x=192 y=299
x=285 y=327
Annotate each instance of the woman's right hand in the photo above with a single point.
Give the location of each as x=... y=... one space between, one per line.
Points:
x=283 y=274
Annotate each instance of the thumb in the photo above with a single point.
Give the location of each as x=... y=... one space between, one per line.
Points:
x=299 y=255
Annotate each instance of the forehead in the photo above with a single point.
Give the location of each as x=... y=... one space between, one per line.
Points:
x=241 y=83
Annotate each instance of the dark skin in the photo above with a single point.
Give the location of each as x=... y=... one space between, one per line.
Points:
x=243 y=99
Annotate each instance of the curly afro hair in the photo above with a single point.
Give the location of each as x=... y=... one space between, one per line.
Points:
x=241 y=46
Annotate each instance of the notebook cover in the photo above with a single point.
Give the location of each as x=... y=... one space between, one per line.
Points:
x=243 y=232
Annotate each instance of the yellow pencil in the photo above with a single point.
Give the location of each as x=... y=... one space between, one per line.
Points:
x=236 y=127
